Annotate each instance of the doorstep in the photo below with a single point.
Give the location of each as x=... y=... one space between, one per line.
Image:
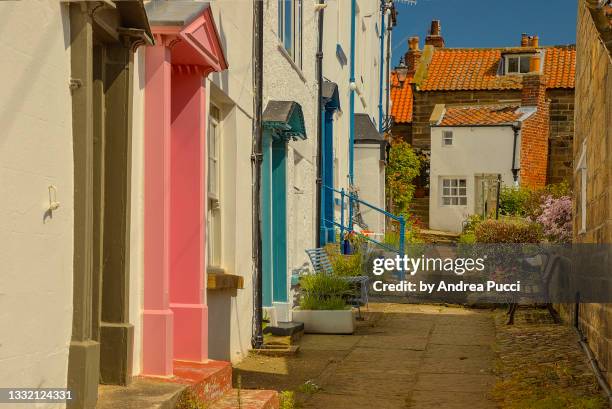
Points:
x=210 y=381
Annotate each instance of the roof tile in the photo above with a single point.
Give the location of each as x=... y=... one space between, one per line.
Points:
x=401 y=97
x=480 y=115
x=477 y=69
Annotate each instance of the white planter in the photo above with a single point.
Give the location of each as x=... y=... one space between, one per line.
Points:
x=326 y=321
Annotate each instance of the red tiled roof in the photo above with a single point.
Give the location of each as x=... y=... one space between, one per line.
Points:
x=480 y=115
x=401 y=99
x=476 y=69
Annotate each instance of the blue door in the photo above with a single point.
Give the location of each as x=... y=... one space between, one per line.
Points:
x=274 y=220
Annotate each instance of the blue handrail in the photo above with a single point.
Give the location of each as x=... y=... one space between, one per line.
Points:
x=347 y=225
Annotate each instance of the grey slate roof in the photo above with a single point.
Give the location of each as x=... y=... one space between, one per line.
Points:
x=287 y=116
x=174 y=12
x=278 y=111
x=365 y=132
x=329 y=94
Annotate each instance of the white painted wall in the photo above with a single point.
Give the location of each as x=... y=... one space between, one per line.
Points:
x=337 y=25
x=370 y=177
x=231 y=312
x=137 y=210
x=35 y=151
x=475 y=150
x=284 y=81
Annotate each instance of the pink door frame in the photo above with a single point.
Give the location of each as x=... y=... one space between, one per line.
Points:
x=175 y=316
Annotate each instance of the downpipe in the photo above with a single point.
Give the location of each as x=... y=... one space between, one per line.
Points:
x=601 y=380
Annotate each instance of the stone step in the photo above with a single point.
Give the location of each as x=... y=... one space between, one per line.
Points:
x=209 y=381
x=249 y=399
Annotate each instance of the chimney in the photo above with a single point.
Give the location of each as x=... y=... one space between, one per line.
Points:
x=413 y=55
x=435 y=28
x=535 y=63
x=524 y=40
x=534 y=41
x=535 y=129
x=534 y=89
x=435 y=35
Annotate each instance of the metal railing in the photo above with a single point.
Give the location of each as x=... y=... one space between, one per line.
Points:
x=347 y=200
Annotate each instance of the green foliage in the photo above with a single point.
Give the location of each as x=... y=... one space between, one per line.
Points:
x=348 y=265
x=317 y=302
x=513 y=200
x=526 y=201
x=468 y=236
x=287 y=400
x=321 y=291
x=404 y=165
x=508 y=230
x=309 y=387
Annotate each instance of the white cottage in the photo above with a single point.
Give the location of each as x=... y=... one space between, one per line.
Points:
x=477 y=148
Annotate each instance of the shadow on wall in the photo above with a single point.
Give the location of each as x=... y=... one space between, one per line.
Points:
x=219 y=323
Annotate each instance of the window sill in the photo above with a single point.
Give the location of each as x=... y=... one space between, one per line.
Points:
x=218 y=280
x=297 y=69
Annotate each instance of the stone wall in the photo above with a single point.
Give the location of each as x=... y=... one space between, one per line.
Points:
x=593 y=122
x=561 y=134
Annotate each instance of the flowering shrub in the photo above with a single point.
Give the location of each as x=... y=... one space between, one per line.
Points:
x=507 y=231
x=556 y=219
x=526 y=201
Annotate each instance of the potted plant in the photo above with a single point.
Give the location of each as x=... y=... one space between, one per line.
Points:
x=323 y=307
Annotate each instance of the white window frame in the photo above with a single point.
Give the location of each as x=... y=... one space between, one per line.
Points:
x=447 y=135
x=582 y=170
x=294 y=50
x=520 y=57
x=455 y=189
x=213 y=214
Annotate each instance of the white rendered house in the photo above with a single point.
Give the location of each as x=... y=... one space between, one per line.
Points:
x=473 y=149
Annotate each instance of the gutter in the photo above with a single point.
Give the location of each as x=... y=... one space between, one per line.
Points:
x=383 y=9
x=256 y=160
x=320 y=194
x=352 y=87
x=388 y=71
x=515 y=171
x=601 y=380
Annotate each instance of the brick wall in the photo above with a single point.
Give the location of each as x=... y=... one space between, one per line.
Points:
x=534 y=132
x=593 y=122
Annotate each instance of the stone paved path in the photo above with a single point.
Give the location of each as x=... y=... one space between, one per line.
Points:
x=413 y=356
x=402 y=356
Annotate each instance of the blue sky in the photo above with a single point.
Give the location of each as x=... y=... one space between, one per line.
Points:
x=486 y=23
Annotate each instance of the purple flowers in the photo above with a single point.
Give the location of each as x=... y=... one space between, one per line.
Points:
x=556 y=219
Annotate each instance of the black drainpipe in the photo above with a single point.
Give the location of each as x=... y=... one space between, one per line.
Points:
x=388 y=70
x=515 y=171
x=256 y=159
x=319 y=72
x=603 y=383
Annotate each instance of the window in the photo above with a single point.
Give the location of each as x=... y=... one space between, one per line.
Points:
x=517 y=64
x=582 y=169
x=447 y=138
x=454 y=192
x=290 y=28
x=213 y=217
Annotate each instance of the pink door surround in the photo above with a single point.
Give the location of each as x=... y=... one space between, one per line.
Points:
x=175 y=317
